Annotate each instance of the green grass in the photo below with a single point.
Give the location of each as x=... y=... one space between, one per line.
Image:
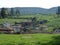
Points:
x=39 y=17
x=27 y=39
x=12 y=21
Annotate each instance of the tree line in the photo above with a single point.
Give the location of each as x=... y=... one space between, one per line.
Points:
x=4 y=13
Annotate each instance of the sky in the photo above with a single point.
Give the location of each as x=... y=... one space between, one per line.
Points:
x=29 y=3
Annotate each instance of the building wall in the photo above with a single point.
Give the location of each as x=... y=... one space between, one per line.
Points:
x=57 y=31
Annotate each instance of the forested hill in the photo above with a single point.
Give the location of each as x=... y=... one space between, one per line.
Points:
x=33 y=10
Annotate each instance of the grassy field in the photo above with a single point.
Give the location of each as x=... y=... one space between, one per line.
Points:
x=32 y=39
x=39 y=17
x=29 y=39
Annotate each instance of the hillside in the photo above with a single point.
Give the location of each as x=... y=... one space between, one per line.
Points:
x=33 y=10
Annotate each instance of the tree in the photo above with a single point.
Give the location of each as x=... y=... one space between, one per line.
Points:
x=4 y=12
x=34 y=21
x=58 y=11
x=0 y=14
x=12 y=12
x=17 y=12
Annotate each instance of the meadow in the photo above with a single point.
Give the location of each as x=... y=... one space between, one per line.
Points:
x=32 y=39
x=28 y=39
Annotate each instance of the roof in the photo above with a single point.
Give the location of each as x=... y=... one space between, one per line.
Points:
x=5 y=29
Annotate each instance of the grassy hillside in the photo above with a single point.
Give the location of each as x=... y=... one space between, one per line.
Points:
x=53 y=20
x=38 y=16
x=29 y=39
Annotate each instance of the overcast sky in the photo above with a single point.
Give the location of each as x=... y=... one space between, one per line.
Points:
x=30 y=3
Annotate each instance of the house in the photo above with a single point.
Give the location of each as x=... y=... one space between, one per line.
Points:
x=43 y=28
x=5 y=28
x=16 y=28
x=56 y=31
x=43 y=21
x=7 y=31
x=24 y=24
x=6 y=24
